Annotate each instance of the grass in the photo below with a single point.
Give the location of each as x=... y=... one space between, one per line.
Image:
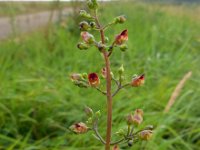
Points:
x=38 y=102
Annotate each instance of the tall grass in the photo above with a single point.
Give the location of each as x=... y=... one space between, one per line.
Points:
x=38 y=102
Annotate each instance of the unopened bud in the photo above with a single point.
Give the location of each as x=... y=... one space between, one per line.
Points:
x=82 y=46
x=84 y=14
x=87 y=37
x=84 y=75
x=92 y=4
x=84 y=26
x=98 y=114
x=121 y=132
x=92 y=24
x=149 y=127
x=121 y=70
x=120 y=19
x=130 y=143
x=106 y=39
x=80 y=84
x=101 y=46
x=90 y=120
x=88 y=111
x=123 y=47
x=145 y=135
x=129 y=119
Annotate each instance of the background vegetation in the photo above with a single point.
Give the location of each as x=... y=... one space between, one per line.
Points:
x=38 y=102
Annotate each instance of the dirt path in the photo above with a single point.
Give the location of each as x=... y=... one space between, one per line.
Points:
x=27 y=22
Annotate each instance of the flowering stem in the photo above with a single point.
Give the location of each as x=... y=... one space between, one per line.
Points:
x=108 y=86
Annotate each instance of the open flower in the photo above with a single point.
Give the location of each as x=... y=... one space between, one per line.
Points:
x=138 y=81
x=79 y=128
x=122 y=37
x=93 y=79
x=138 y=117
x=87 y=37
x=145 y=134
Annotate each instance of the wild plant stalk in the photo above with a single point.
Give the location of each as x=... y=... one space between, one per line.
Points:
x=92 y=80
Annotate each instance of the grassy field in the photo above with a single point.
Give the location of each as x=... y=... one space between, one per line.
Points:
x=38 y=102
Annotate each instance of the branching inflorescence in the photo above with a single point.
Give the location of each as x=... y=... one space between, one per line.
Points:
x=92 y=80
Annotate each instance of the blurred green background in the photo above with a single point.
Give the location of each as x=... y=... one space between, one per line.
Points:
x=38 y=102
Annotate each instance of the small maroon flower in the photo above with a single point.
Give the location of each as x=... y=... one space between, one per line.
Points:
x=79 y=128
x=138 y=81
x=122 y=37
x=87 y=37
x=103 y=72
x=93 y=79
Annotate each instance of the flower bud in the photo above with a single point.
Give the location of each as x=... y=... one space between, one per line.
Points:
x=123 y=47
x=92 y=4
x=130 y=143
x=93 y=79
x=98 y=114
x=82 y=46
x=79 y=128
x=106 y=39
x=88 y=111
x=116 y=147
x=90 y=120
x=145 y=135
x=87 y=37
x=122 y=37
x=101 y=46
x=121 y=70
x=138 y=81
x=129 y=119
x=149 y=127
x=120 y=19
x=84 y=14
x=138 y=117
x=80 y=84
x=92 y=25
x=84 y=26
x=76 y=76
x=103 y=72
x=84 y=75
x=121 y=132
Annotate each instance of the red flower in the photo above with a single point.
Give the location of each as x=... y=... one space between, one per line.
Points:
x=122 y=37
x=93 y=79
x=138 y=81
x=79 y=128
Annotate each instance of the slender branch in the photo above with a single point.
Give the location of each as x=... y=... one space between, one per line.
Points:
x=95 y=129
x=119 y=88
x=117 y=142
x=116 y=82
x=98 y=89
x=109 y=24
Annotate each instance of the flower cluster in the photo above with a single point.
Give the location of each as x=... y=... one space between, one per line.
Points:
x=85 y=80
